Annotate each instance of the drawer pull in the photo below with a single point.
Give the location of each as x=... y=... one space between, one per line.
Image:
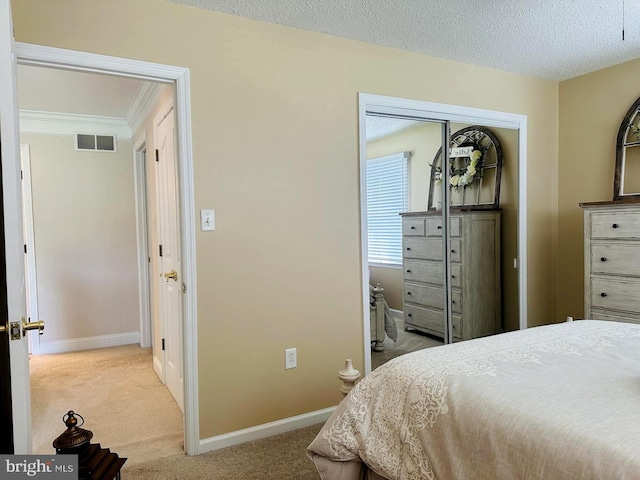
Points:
x=453 y=301
x=603 y=294
x=603 y=259
x=453 y=251
x=408 y=293
x=409 y=271
x=408 y=249
x=615 y=225
x=409 y=315
x=453 y=276
x=413 y=228
x=439 y=227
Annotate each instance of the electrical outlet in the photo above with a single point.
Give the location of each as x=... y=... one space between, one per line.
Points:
x=290 y=358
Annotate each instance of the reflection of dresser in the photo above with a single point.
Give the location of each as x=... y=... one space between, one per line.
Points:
x=475 y=273
x=612 y=261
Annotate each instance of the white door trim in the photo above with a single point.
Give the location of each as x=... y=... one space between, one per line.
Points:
x=28 y=54
x=30 y=274
x=142 y=237
x=453 y=113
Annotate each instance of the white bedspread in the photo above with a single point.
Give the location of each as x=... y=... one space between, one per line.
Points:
x=559 y=402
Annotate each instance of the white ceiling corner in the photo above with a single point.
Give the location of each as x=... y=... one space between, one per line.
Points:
x=549 y=39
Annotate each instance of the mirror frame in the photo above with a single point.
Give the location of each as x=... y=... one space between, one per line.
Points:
x=621 y=145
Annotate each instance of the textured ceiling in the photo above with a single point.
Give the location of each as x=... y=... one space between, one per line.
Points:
x=552 y=39
x=378 y=127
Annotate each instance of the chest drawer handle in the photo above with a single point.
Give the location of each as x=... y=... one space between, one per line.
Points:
x=615 y=225
x=413 y=228
x=603 y=294
x=453 y=276
x=409 y=271
x=409 y=315
x=439 y=227
x=453 y=251
x=453 y=301
x=603 y=259
x=408 y=249
x=408 y=293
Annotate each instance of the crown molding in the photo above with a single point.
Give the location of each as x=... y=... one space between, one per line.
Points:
x=143 y=104
x=34 y=121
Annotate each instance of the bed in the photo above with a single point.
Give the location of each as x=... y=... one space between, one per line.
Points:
x=558 y=402
x=381 y=317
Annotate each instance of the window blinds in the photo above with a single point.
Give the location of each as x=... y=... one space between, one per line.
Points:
x=387 y=197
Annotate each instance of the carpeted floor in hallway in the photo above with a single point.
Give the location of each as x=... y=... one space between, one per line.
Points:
x=132 y=413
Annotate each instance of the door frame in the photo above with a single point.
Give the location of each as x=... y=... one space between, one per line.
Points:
x=142 y=238
x=441 y=112
x=43 y=56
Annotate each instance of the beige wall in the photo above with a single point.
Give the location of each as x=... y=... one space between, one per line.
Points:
x=592 y=108
x=275 y=137
x=85 y=238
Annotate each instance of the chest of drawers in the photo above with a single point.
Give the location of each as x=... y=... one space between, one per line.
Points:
x=612 y=261
x=475 y=273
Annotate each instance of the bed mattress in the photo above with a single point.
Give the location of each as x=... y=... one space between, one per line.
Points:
x=557 y=402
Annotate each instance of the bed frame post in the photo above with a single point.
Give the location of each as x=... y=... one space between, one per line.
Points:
x=349 y=377
x=378 y=293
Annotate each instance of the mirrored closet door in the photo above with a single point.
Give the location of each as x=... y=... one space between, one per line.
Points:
x=455 y=278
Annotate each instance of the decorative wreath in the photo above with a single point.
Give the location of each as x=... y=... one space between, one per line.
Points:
x=461 y=177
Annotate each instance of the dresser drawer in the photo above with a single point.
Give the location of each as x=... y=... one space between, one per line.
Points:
x=434 y=227
x=615 y=225
x=610 y=316
x=616 y=259
x=413 y=227
x=429 y=248
x=615 y=294
x=430 y=296
x=430 y=272
x=431 y=320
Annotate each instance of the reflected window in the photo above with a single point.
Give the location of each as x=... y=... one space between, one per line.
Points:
x=387 y=197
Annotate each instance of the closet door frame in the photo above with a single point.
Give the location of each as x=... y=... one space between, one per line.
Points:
x=442 y=113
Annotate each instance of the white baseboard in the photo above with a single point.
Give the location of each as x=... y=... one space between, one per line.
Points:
x=265 y=430
x=87 y=343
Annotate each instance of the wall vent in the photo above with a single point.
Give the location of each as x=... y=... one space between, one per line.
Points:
x=96 y=143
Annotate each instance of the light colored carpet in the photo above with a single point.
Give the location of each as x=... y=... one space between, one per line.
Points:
x=410 y=341
x=118 y=394
x=129 y=411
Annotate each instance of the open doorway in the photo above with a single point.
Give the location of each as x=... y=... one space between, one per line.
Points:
x=95 y=230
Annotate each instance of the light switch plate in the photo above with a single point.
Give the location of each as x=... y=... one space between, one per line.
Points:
x=207 y=220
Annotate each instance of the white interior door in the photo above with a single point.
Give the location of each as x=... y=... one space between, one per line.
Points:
x=31 y=289
x=14 y=240
x=170 y=261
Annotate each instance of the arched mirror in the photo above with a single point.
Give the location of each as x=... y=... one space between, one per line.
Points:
x=475 y=170
x=627 y=175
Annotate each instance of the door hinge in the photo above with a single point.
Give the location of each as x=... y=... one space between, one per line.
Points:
x=163 y=344
x=149 y=259
x=21 y=175
x=184 y=287
x=157 y=155
x=25 y=248
x=160 y=248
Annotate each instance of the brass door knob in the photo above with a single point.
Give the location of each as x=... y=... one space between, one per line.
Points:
x=173 y=275
x=26 y=326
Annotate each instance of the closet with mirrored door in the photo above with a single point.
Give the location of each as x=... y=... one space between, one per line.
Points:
x=447 y=273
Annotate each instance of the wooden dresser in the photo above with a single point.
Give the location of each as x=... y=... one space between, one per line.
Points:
x=612 y=261
x=475 y=272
